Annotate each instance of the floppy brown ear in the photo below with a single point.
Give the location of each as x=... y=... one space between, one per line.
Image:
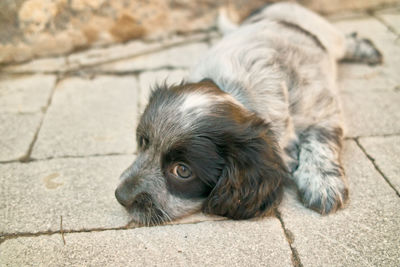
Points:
x=252 y=180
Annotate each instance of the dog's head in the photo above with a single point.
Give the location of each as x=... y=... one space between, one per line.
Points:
x=199 y=148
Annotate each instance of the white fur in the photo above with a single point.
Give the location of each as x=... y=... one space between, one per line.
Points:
x=194 y=100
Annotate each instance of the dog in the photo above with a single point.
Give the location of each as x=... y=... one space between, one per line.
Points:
x=259 y=109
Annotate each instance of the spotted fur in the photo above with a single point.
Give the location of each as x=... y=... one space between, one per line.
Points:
x=261 y=107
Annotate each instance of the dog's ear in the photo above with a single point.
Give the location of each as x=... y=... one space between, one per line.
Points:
x=251 y=182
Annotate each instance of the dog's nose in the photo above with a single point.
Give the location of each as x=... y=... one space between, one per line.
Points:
x=123 y=197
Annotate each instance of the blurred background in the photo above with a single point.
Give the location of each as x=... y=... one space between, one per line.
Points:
x=41 y=28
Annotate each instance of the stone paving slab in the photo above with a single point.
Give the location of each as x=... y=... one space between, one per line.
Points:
x=25 y=94
x=227 y=243
x=17 y=132
x=386 y=76
x=372 y=113
x=147 y=81
x=386 y=153
x=101 y=55
x=42 y=65
x=346 y=15
x=363 y=234
x=33 y=196
x=135 y=48
x=356 y=77
x=90 y=116
x=183 y=56
x=22 y=100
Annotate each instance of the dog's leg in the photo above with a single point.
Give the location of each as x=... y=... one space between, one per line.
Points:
x=320 y=176
x=361 y=50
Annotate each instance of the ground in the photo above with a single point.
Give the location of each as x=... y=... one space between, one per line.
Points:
x=67 y=132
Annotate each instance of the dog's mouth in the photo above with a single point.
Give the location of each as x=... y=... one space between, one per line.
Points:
x=145 y=212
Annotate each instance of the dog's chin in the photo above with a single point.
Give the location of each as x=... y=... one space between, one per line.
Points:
x=153 y=216
x=148 y=217
x=145 y=212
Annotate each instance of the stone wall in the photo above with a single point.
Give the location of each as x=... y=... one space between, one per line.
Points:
x=42 y=28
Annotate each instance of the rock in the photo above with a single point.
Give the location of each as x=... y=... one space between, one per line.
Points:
x=35 y=14
x=126 y=28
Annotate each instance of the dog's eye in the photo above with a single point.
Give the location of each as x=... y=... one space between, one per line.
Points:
x=143 y=142
x=182 y=171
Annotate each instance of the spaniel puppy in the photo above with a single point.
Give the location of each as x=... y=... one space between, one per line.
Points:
x=260 y=108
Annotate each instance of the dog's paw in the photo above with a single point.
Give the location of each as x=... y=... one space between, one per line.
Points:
x=362 y=50
x=324 y=193
x=291 y=156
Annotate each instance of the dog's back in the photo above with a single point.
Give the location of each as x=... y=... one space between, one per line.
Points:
x=280 y=63
x=266 y=62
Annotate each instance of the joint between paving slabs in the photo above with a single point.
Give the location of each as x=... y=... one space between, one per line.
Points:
x=371 y=135
x=89 y=72
x=62 y=231
x=290 y=239
x=6 y=237
x=27 y=157
x=69 y=157
x=376 y=166
x=93 y=72
x=85 y=156
x=204 y=39
x=372 y=13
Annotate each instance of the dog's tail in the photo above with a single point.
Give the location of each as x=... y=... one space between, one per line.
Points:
x=224 y=23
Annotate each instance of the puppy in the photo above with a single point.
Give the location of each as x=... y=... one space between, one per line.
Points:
x=259 y=109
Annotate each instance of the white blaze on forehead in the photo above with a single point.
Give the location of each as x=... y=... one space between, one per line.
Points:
x=200 y=100
x=195 y=100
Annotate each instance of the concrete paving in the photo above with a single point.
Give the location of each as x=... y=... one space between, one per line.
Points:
x=67 y=131
x=17 y=132
x=385 y=152
x=25 y=94
x=188 y=55
x=23 y=99
x=89 y=117
x=35 y=195
x=226 y=243
x=370 y=114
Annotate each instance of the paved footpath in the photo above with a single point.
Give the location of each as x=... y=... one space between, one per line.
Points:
x=67 y=132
